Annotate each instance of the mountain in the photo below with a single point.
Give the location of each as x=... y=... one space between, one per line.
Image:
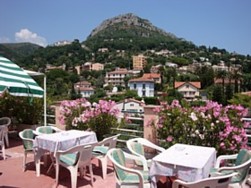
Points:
x=17 y=50
x=129 y=32
x=129 y=21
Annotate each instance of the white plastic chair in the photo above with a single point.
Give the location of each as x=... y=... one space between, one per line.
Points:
x=76 y=157
x=241 y=166
x=5 y=122
x=213 y=182
x=125 y=176
x=27 y=137
x=47 y=130
x=137 y=147
x=2 y=142
x=100 y=150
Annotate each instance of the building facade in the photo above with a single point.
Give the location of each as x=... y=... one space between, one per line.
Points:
x=189 y=90
x=143 y=86
x=84 y=88
x=139 y=62
x=116 y=78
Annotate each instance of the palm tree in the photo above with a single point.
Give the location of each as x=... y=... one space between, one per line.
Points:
x=236 y=75
x=222 y=74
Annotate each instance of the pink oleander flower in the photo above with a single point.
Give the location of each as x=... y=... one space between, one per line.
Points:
x=169 y=139
x=208 y=125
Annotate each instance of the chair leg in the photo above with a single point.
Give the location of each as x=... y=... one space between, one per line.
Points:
x=82 y=171
x=6 y=139
x=57 y=173
x=3 y=151
x=104 y=166
x=91 y=173
x=74 y=176
x=24 y=160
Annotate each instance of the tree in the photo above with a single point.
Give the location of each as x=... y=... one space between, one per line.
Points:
x=229 y=93
x=241 y=99
x=131 y=94
x=222 y=74
x=217 y=94
x=206 y=76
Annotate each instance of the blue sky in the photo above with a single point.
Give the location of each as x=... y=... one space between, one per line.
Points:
x=220 y=23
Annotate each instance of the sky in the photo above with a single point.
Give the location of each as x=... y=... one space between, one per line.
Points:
x=225 y=24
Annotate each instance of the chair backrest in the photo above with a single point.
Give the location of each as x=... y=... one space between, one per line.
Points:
x=27 y=137
x=86 y=154
x=213 y=182
x=243 y=156
x=110 y=141
x=77 y=154
x=6 y=121
x=45 y=129
x=136 y=146
x=117 y=157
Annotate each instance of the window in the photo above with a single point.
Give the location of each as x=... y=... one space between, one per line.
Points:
x=187 y=86
x=143 y=93
x=134 y=86
x=131 y=104
x=144 y=86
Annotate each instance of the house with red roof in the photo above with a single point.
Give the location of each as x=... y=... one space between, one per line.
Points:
x=155 y=76
x=143 y=86
x=84 y=88
x=189 y=90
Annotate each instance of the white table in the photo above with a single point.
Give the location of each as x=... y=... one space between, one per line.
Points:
x=61 y=141
x=186 y=162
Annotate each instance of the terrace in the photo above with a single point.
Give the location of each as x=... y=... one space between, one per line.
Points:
x=11 y=174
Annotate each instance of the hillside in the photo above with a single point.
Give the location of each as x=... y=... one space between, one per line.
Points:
x=15 y=51
x=130 y=32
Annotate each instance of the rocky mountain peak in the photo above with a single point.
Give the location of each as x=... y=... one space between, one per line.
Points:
x=129 y=19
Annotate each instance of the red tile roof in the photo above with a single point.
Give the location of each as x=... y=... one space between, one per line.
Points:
x=195 y=84
x=141 y=80
x=151 y=75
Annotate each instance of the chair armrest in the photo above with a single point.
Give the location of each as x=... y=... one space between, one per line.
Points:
x=224 y=157
x=56 y=129
x=37 y=133
x=133 y=171
x=235 y=167
x=137 y=157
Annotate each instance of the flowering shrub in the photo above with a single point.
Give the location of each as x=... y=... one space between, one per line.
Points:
x=24 y=110
x=210 y=125
x=80 y=114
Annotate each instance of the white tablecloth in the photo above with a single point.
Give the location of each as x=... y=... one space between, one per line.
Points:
x=187 y=162
x=61 y=141
x=64 y=140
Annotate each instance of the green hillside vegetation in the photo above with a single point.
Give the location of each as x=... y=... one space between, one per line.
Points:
x=15 y=51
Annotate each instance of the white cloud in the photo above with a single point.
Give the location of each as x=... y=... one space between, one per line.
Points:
x=25 y=35
x=4 y=40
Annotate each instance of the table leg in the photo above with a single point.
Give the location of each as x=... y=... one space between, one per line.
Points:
x=38 y=155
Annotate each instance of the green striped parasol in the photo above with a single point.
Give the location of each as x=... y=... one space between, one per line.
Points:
x=16 y=81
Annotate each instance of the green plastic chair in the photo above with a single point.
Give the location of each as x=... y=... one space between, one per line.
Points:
x=125 y=176
x=242 y=163
x=27 y=137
